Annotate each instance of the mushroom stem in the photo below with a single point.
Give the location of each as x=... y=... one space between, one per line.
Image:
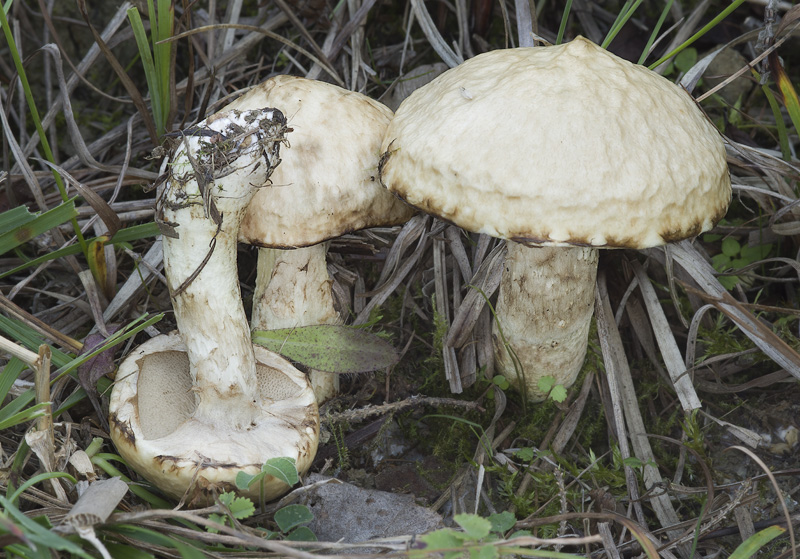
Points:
x=206 y=194
x=545 y=310
x=293 y=288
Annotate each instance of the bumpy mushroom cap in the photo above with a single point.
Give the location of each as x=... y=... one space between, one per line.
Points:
x=327 y=183
x=325 y=186
x=156 y=430
x=563 y=145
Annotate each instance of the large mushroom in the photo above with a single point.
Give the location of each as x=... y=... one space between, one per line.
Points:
x=326 y=186
x=192 y=408
x=567 y=149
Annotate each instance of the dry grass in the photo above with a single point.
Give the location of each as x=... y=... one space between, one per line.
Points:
x=668 y=336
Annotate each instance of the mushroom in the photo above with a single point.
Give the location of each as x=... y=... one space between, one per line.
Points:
x=566 y=148
x=192 y=408
x=326 y=186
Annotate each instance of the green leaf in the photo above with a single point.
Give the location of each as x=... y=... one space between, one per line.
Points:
x=525 y=454
x=292 y=516
x=558 y=393
x=28 y=414
x=122 y=551
x=686 y=59
x=484 y=552
x=331 y=348
x=728 y=282
x=122 y=236
x=284 y=469
x=476 y=527
x=241 y=508
x=754 y=253
x=41 y=534
x=302 y=534
x=546 y=383
x=754 y=543
x=187 y=551
x=633 y=462
x=501 y=382
x=721 y=262
x=731 y=247
x=502 y=521
x=30 y=225
x=217 y=519
x=245 y=480
x=445 y=538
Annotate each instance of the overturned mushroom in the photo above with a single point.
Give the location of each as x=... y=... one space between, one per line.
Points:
x=568 y=149
x=192 y=408
x=326 y=186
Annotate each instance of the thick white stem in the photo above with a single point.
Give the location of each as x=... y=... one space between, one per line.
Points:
x=293 y=288
x=545 y=310
x=200 y=262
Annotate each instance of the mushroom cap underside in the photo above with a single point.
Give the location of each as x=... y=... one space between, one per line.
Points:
x=153 y=427
x=327 y=182
x=562 y=145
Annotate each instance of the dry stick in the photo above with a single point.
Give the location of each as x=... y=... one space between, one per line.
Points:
x=362 y=414
x=147 y=267
x=344 y=34
x=666 y=343
x=114 y=24
x=44 y=441
x=766 y=340
x=451 y=371
x=295 y=21
x=41 y=327
x=623 y=396
x=487 y=443
x=524 y=23
x=439 y=45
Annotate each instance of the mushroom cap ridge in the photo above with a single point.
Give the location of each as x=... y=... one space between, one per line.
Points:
x=562 y=145
x=327 y=182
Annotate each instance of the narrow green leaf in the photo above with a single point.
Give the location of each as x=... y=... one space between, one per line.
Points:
x=187 y=551
x=656 y=30
x=622 y=18
x=330 y=348
x=15 y=218
x=8 y=376
x=123 y=551
x=705 y=29
x=564 y=18
x=787 y=90
x=40 y=534
x=292 y=516
x=35 y=226
x=123 y=236
x=146 y=55
x=28 y=414
x=754 y=543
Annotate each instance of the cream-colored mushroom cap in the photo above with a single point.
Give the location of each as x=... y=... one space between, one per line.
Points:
x=155 y=428
x=556 y=146
x=327 y=182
